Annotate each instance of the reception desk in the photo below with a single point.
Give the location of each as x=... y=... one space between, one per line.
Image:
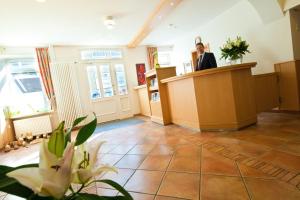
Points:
x=222 y=98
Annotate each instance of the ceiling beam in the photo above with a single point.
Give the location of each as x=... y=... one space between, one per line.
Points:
x=164 y=8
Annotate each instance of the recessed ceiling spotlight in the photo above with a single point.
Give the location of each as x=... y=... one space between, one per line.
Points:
x=172 y=3
x=41 y=1
x=109 y=22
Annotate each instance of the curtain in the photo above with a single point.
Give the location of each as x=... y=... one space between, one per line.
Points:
x=152 y=56
x=44 y=66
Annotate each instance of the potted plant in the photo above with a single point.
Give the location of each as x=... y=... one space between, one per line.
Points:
x=64 y=163
x=234 y=50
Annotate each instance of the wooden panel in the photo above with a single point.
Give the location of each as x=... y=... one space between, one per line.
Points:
x=244 y=97
x=144 y=101
x=289 y=85
x=182 y=102
x=266 y=89
x=215 y=99
x=156 y=110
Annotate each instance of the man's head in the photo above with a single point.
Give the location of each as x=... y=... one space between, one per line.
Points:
x=200 y=48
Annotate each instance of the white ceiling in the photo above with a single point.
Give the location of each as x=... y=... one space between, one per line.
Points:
x=80 y=22
x=188 y=16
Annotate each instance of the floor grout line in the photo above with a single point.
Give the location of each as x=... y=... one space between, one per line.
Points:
x=244 y=182
x=201 y=162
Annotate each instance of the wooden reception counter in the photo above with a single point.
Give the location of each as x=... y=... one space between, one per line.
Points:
x=216 y=99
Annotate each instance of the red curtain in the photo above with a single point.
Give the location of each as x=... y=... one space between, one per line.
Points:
x=151 y=52
x=44 y=66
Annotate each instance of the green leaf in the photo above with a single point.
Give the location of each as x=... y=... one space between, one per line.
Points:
x=117 y=187
x=86 y=196
x=78 y=120
x=56 y=143
x=86 y=131
x=69 y=131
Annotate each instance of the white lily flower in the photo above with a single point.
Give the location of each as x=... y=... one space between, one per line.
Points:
x=52 y=178
x=85 y=164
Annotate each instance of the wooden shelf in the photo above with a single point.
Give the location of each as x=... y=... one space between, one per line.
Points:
x=159 y=108
x=153 y=88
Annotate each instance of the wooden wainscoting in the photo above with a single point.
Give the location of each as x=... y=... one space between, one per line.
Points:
x=289 y=85
x=266 y=88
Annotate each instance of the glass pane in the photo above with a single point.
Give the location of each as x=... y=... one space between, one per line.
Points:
x=100 y=54
x=106 y=81
x=93 y=82
x=121 y=79
x=21 y=87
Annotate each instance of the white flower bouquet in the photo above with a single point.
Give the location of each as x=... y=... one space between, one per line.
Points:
x=234 y=49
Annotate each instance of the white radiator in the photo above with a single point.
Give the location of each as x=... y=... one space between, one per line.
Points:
x=36 y=125
x=66 y=92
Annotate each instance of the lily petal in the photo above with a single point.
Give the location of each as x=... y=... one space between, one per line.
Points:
x=29 y=177
x=93 y=150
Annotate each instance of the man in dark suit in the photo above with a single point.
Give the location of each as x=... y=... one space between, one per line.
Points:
x=205 y=60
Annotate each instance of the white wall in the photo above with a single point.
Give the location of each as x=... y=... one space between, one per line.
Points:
x=71 y=54
x=269 y=43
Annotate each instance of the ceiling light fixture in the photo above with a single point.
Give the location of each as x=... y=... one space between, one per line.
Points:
x=109 y=22
x=172 y=3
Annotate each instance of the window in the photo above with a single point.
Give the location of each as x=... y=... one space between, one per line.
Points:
x=121 y=79
x=21 y=87
x=106 y=80
x=101 y=54
x=93 y=82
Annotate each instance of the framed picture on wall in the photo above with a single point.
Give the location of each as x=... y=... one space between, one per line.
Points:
x=140 y=72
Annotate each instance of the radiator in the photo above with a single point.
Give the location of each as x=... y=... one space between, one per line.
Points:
x=36 y=125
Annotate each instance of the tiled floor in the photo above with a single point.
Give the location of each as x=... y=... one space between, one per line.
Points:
x=169 y=163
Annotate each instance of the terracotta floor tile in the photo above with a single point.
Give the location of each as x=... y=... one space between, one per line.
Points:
x=156 y=162
x=167 y=198
x=110 y=159
x=180 y=185
x=291 y=147
x=145 y=181
x=162 y=150
x=250 y=149
x=188 y=150
x=213 y=163
x=142 y=149
x=252 y=172
x=105 y=148
x=283 y=159
x=185 y=164
x=121 y=177
x=274 y=139
x=121 y=149
x=130 y=161
x=140 y=196
x=222 y=187
x=271 y=189
x=106 y=192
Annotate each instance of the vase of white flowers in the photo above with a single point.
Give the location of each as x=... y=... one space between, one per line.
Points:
x=64 y=163
x=234 y=50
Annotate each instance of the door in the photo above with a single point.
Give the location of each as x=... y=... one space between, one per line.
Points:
x=105 y=90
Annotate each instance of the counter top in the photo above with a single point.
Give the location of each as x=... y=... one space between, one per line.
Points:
x=211 y=71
